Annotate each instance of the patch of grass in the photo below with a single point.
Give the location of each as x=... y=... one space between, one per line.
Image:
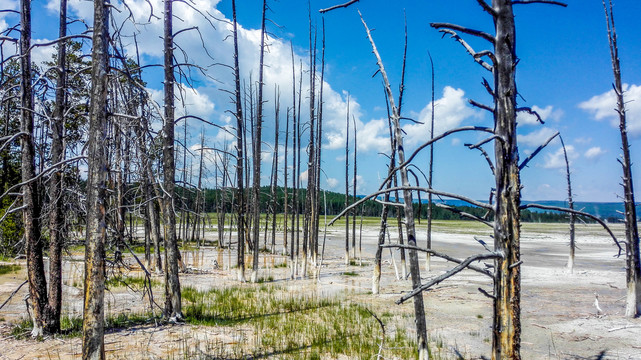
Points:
x=479 y=316
x=11 y=268
x=291 y=326
x=350 y=273
x=72 y=326
x=280 y=265
x=267 y=279
x=129 y=281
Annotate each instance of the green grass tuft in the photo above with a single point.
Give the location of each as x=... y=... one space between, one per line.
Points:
x=11 y=268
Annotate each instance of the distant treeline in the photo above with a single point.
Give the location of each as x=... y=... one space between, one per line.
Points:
x=223 y=199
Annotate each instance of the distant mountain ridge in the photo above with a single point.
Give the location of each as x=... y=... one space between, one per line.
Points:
x=603 y=210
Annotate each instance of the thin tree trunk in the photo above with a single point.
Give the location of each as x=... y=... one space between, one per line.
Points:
x=173 y=305
x=240 y=143
x=419 y=310
x=633 y=257
x=429 y=178
x=347 y=184
x=56 y=186
x=257 y=150
x=275 y=171
x=294 y=169
x=94 y=284
x=571 y=206
x=30 y=200
x=354 y=195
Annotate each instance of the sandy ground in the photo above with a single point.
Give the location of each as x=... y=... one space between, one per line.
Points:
x=559 y=318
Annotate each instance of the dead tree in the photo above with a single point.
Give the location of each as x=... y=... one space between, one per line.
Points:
x=347 y=184
x=571 y=206
x=633 y=258
x=319 y=137
x=56 y=187
x=274 y=184
x=30 y=200
x=354 y=180
x=257 y=141
x=94 y=284
x=419 y=310
x=173 y=305
x=430 y=177
x=240 y=158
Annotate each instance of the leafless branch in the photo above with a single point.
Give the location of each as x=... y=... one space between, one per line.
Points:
x=463 y=29
x=448 y=274
x=464 y=214
x=477 y=56
x=571 y=211
x=480 y=106
x=549 y=2
x=531 y=112
x=322 y=11
x=439 y=255
x=532 y=155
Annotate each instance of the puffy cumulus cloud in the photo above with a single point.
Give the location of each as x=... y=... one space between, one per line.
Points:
x=449 y=112
x=536 y=138
x=556 y=160
x=594 y=152
x=189 y=101
x=332 y=183
x=602 y=108
x=8 y=5
x=546 y=113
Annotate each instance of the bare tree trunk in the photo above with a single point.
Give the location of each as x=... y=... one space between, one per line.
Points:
x=275 y=171
x=295 y=170
x=571 y=206
x=94 y=284
x=354 y=195
x=429 y=178
x=240 y=143
x=173 y=305
x=257 y=151
x=347 y=184
x=319 y=138
x=56 y=187
x=311 y=180
x=506 y=334
x=419 y=310
x=285 y=195
x=30 y=201
x=633 y=258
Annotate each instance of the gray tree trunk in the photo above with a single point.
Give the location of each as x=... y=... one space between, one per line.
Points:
x=94 y=284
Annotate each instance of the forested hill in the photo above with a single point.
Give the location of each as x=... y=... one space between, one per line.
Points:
x=333 y=203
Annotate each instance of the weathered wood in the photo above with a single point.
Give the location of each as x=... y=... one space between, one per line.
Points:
x=94 y=283
x=173 y=301
x=633 y=256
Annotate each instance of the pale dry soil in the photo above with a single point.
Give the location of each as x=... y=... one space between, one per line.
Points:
x=559 y=316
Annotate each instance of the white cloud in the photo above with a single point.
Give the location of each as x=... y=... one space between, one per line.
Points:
x=556 y=160
x=449 y=112
x=594 y=152
x=332 y=183
x=524 y=118
x=602 y=108
x=537 y=137
x=456 y=141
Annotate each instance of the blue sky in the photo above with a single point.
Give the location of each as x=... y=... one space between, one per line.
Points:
x=565 y=71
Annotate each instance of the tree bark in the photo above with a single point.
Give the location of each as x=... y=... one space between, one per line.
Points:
x=633 y=257
x=30 y=201
x=173 y=305
x=257 y=151
x=571 y=206
x=240 y=131
x=94 y=283
x=506 y=334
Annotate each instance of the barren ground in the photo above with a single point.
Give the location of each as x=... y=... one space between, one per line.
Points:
x=559 y=318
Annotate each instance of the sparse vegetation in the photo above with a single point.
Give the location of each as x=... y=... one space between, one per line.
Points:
x=11 y=268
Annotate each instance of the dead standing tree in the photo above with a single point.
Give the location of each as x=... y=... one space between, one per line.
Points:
x=257 y=141
x=633 y=259
x=173 y=306
x=93 y=310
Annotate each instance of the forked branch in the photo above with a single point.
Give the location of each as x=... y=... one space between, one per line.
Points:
x=478 y=57
x=463 y=29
